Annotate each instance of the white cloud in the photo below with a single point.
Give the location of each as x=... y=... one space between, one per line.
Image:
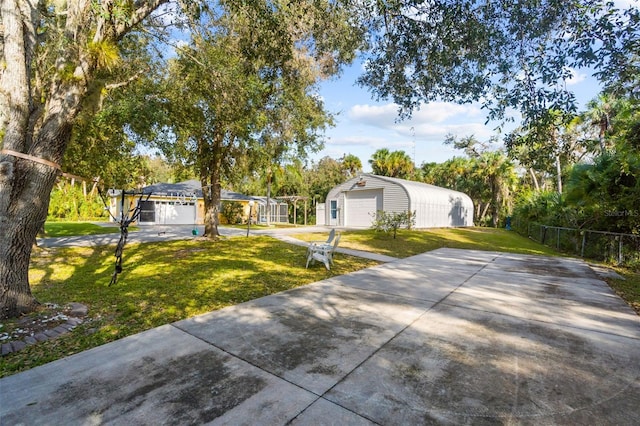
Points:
x=439 y=112
x=354 y=141
x=431 y=123
x=374 y=115
x=368 y=142
x=576 y=77
x=386 y=116
x=626 y=4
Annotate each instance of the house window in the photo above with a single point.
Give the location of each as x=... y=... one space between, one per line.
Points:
x=334 y=209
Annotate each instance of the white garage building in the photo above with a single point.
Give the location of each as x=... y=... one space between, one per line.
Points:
x=354 y=203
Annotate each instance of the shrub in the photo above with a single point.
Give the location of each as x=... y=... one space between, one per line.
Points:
x=69 y=203
x=232 y=212
x=392 y=221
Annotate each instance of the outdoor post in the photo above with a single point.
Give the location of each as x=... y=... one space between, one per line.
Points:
x=620 y=257
x=249 y=220
x=295 y=212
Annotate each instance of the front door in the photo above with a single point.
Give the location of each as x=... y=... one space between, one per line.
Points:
x=333 y=212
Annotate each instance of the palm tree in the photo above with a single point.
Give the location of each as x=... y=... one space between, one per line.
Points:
x=599 y=114
x=379 y=162
x=498 y=174
x=351 y=164
x=400 y=165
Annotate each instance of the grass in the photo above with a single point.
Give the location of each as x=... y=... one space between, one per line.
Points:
x=410 y=243
x=627 y=288
x=68 y=229
x=161 y=283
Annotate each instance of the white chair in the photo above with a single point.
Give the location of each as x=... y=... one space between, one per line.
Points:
x=322 y=253
x=328 y=242
x=332 y=235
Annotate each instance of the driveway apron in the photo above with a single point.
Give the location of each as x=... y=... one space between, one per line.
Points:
x=445 y=337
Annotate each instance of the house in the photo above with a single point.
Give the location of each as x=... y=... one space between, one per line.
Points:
x=182 y=203
x=355 y=203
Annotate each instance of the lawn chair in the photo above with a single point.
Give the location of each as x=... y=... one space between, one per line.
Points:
x=322 y=253
x=326 y=244
x=332 y=235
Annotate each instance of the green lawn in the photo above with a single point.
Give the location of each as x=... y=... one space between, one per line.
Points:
x=409 y=243
x=627 y=288
x=68 y=229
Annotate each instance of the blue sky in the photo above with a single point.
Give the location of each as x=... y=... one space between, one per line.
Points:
x=363 y=125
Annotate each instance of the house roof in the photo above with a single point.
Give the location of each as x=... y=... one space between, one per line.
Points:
x=189 y=188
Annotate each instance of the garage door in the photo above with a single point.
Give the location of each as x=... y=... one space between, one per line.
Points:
x=361 y=206
x=174 y=213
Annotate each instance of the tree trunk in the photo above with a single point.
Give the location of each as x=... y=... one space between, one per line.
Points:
x=210 y=172
x=25 y=188
x=495 y=203
x=268 y=208
x=484 y=211
x=559 y=173
x=211 y=215
x=33 y=143
x=536 y=185
x=32 y=184
x=36 y=125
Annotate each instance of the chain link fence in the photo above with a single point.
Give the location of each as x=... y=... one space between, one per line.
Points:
x=611 y=247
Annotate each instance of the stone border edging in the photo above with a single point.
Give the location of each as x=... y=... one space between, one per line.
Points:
x=77 y=309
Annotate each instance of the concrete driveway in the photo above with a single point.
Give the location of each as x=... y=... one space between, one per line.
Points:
x=446 y=337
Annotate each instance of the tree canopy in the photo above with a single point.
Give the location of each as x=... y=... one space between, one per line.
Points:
x=505 y=55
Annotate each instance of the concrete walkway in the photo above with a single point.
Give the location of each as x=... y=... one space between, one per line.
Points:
x=446 y=337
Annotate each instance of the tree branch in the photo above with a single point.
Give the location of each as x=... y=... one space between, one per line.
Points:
x=144 y=9
x=125 y=82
